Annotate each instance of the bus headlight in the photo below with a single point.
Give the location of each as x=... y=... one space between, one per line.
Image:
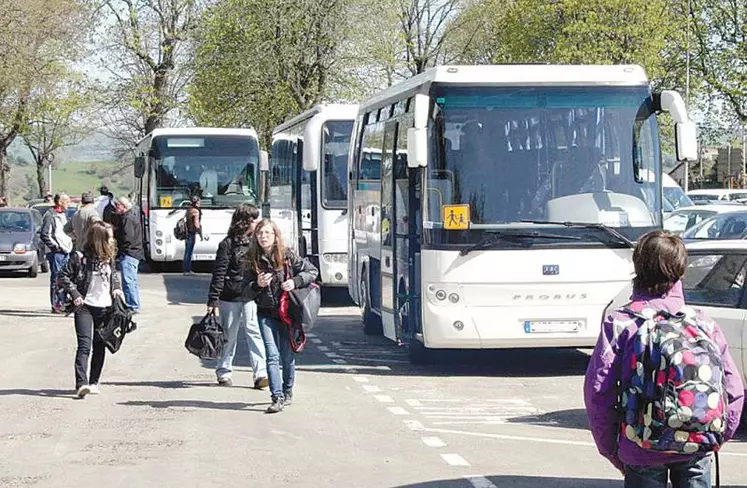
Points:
x=454 y=298
x=335 y=258
x=159 y=242
x=159 y=233
x=443 y=294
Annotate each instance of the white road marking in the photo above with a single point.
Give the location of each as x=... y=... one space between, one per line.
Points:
x=414 y=425
x=316 y=340
x=371 y=388
x=373 y=360
x=398 y=411
x=413 y=403
x=445 y=411
x=332 y=355
x=454 y=460
x=384 y=399
x=433 y=442
x=480 y=481
x=339 y=361
x=310 y=335
x=323 y=348
x=360 y=379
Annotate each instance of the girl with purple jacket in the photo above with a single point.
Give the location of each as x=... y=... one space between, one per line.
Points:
x=660 y=260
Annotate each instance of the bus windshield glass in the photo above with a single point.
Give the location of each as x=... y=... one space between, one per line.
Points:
x=336 y=143
x=510 y=154
x=220 y=169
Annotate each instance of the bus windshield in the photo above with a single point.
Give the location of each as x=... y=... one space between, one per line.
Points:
x=336 y=141
x=511 y=154
x=221 y=170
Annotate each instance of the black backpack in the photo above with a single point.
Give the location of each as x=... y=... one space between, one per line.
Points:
x=180 y=229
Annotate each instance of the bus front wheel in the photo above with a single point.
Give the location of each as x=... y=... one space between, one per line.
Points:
x=419 y=354
x=371 y=321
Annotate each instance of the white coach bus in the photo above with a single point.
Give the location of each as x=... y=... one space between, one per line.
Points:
x=221 y=166
x=507 y=202
x=308 y=194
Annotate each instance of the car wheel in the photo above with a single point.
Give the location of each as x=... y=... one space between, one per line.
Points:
x=34 y=269
x=44 y=266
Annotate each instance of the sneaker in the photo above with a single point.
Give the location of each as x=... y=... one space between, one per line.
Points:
x=260 y=383
x=277 y=406
x=83 y=391
x=225 y=381
x=288 y=398
x=94 y=389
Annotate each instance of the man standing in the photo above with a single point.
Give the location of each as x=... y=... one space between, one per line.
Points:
x=130 y=250
x=82 y=220
x=194 y=227
x=58 y=243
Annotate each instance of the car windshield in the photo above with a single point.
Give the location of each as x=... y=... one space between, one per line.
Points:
x=680 y=221
x=676 y=197
x=221 y=170
x=15 y=222
x=336 y=145
x=732 y=225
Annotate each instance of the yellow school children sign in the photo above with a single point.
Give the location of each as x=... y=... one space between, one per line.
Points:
x=455 y=217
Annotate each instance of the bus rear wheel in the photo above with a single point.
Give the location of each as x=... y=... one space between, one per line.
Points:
x=371 y=321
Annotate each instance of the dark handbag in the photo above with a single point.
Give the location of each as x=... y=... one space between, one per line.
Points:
x=205 y=340
x=302 y=311
x=117 y=323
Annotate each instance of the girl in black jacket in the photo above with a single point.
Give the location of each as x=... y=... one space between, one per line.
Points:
x=93 y=282
x=237 y=310
x=274 y=269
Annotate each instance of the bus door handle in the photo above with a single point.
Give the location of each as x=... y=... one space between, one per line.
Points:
x=388 y=262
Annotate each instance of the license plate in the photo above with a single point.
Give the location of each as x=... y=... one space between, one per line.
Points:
x=551 y=326
x=3 y=258
x=204 y=257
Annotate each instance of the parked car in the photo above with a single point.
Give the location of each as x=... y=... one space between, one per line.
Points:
x=717 y=195
x=674 y=195
x=715 y=282
x=727 y=225
x=44 y=208
x=684 y=218
x=21 y=248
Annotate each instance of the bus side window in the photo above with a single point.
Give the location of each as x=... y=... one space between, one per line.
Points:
x=369 y=162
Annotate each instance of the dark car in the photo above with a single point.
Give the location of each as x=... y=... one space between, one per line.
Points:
x=21 y=248
x=728 y=225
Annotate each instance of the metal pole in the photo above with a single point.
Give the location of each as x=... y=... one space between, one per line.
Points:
x=687 y=56
x=49 y=167
x=728 y=164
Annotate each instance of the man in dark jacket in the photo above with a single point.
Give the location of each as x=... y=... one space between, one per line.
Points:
x=58 y=243
x=129 y=236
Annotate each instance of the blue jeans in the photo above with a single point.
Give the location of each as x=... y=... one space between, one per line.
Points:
x=277 y=346
x=692 y=474
x=189 y=248
x=235 y=316
x=129 y=266
x=56 y=261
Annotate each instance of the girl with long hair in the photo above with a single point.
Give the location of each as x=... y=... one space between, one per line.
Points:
x=93 y=282
x=237 y=309
x=274 y=269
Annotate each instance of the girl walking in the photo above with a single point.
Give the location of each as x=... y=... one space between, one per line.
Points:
x=274 y=269
x=92 y=281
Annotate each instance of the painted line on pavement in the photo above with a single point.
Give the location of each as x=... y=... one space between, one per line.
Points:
x=433 y=442
x=414 y=425
x=384 y=398
x=360 y=379
x=323 y=348
x=413 y=403
x=316 y=340
x=332 y=355
x=339 y=361
x=371 y=388
x=398 y=411
x=454 y=460
x=480 y=481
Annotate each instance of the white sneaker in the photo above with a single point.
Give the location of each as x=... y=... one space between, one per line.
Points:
x=83 y=391
x=94 y=389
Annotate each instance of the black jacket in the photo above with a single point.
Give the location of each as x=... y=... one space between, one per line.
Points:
x=228 y=273
x=268 y=298
x=75 y=275
x=129 y=235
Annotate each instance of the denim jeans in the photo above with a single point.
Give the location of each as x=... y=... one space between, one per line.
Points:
x=128 y=267
x=692 y=474
x=235 y=316
x=56 y=261
x=87 y=319
x=189 y=249
x=277 y=345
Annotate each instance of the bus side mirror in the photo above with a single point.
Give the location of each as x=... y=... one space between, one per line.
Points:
x=139 y=166
x=686 y=141
x=312 y=149
x=264 y=161
x=417 y=147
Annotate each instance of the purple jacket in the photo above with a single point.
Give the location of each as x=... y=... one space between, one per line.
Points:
x=607 y=366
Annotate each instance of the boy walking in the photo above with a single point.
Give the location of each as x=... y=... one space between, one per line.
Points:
x=662 y=391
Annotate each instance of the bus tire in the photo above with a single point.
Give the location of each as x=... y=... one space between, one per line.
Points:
x=419 y=354
x=371 y=321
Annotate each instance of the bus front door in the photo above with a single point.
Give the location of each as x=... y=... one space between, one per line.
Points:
x=388 y=272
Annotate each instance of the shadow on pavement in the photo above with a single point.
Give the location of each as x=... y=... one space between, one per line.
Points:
x=515 y=481
x=186 y=289
x=168 y=385
x=197 y=404
x=39 y=393
x=568 y=419
x=28 y=313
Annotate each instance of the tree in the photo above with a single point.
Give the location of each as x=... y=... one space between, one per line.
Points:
x=259 y=61
x=147 y=63
x=720 y=32
x=59 y=120
x=37 y=37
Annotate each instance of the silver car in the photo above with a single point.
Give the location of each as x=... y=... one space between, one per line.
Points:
x=21 y=248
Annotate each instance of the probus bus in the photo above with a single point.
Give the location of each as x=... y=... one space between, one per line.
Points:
x=507 y=202
x=309 y=186
x=221 y=166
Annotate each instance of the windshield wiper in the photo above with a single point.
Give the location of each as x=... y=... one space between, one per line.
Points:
x=589 y=225
x=494 y=237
